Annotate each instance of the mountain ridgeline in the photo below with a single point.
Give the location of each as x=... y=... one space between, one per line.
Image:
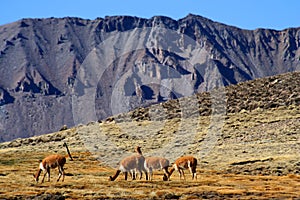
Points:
x=44 y=63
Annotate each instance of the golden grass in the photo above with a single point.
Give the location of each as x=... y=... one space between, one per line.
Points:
x=87 y=179
x=254 y=137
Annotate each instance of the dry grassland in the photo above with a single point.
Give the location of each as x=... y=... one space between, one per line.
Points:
x=86 y=179
x=255 y=157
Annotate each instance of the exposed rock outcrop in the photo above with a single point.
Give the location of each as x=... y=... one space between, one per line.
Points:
x=42 y=61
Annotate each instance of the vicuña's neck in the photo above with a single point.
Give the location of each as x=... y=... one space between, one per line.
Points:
x=138 y=150
x=171 y=171
x=112 y=178
x=37 y=173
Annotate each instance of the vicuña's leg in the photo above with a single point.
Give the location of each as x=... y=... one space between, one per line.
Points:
x=48 y=171
x=146 y=174
x=45 y=173
x=126 y=175
x=139 y=173
x=150 y=174
x=61 y=173
x=182 y=172
x=133 y=174
x=194 y=173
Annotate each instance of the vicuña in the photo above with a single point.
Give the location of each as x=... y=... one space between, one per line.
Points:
x=131 y=164
x=49 y=162
x=185 y=162
x=156 y=163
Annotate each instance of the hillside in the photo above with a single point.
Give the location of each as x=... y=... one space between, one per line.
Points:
x=50 y=69
x=255 y=154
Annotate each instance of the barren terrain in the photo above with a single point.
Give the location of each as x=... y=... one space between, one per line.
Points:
x=254 y=156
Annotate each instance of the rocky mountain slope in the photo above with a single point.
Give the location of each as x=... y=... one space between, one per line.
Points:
x=48 y=66
x=254 y=156
x=272 y=123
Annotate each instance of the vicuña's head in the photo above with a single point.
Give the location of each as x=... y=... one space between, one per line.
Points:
x=165 y=178
x=36 y=179
x=37 y=175
x=138 y=149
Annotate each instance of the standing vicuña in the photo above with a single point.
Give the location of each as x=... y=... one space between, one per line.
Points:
x=185 y=162
x=131 y=164
x=51 y=161
x=156 y=163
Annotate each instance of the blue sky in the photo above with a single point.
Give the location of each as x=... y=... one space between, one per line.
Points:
x=251 y=14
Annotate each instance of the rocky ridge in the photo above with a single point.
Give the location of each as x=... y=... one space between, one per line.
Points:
x=41 y=61
x=259 y=94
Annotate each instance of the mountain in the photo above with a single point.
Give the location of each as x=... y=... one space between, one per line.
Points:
x=67 y=71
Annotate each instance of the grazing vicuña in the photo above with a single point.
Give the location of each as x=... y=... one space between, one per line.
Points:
x=185 y=162
x=49 y=162
x=131 y=164
x=156 y=163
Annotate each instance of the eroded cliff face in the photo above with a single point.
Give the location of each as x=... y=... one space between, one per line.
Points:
x=128 y=62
